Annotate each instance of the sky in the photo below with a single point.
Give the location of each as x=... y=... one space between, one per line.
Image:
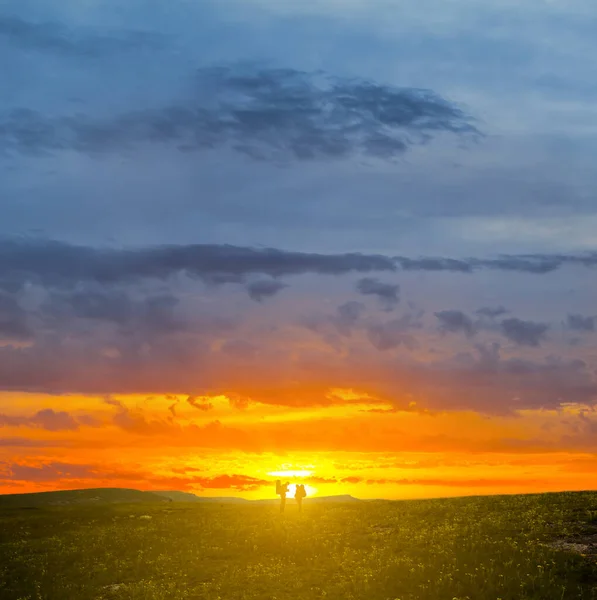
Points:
x=339 y=243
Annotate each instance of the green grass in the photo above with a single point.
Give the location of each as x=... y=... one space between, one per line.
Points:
x=476 y=548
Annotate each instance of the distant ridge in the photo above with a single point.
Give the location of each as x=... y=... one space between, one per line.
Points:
x=130 y=496
x=71 y=497
x=176 y=496
x=189 y=497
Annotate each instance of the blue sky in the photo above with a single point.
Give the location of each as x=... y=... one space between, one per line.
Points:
x=523 y=74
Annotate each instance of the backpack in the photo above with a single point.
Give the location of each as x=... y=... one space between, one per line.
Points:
x=278 y=487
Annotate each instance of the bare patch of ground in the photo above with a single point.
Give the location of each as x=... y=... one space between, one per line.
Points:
x=585 y=545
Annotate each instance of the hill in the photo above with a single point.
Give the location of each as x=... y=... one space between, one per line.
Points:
x=129 y=496
x=74 y=497
x=176 y=496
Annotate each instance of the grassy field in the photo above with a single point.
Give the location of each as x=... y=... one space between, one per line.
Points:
x=477 y=548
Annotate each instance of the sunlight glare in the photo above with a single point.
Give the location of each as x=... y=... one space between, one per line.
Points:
x=290 y=473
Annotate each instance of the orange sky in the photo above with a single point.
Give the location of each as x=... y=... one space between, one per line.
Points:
x=355 y=444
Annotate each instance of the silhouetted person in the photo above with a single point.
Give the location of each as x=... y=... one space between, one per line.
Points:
x=299 y=494
x=282 y=490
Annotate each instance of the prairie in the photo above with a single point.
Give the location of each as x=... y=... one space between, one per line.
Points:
x=499 y=547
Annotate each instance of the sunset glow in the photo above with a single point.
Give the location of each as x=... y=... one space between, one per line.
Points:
x=331 y=243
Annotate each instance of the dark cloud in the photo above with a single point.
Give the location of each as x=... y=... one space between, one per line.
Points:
x=491 y=312
x=434 y=264
x=55 y=264
x=48 y=419
x=580 y=323
x=524 y=333
x=455 y=321
x=388 y=293
x=14 y=323
x=61 y=265
x=262 y=113
x=266 y=288
x=53 y=37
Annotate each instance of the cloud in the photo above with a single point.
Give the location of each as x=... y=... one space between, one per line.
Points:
x=239 y=402
x=388 y=293
x=21 y=442
x=53 y=37
x=55 y=264
x=289 y=370
x=227 y=482
x=491 y=312
x=60 y=265
x=455 y=321
x=153 y=313
x=434 y=264
x=53 y=471
x=263 y=113
x=394 y=333
x=102 y=305
x=537 y=264
x=49 y=420
x=481 y=381
x=136 y=422
x=464 y=483
x=524 y=333
x=347 y=316
x=352 y=479
x=199 y=403
x=488 y=383
x=580 y=323
x=172 y=407
x=333 y=327
x=95 y=474
x=260 y=290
